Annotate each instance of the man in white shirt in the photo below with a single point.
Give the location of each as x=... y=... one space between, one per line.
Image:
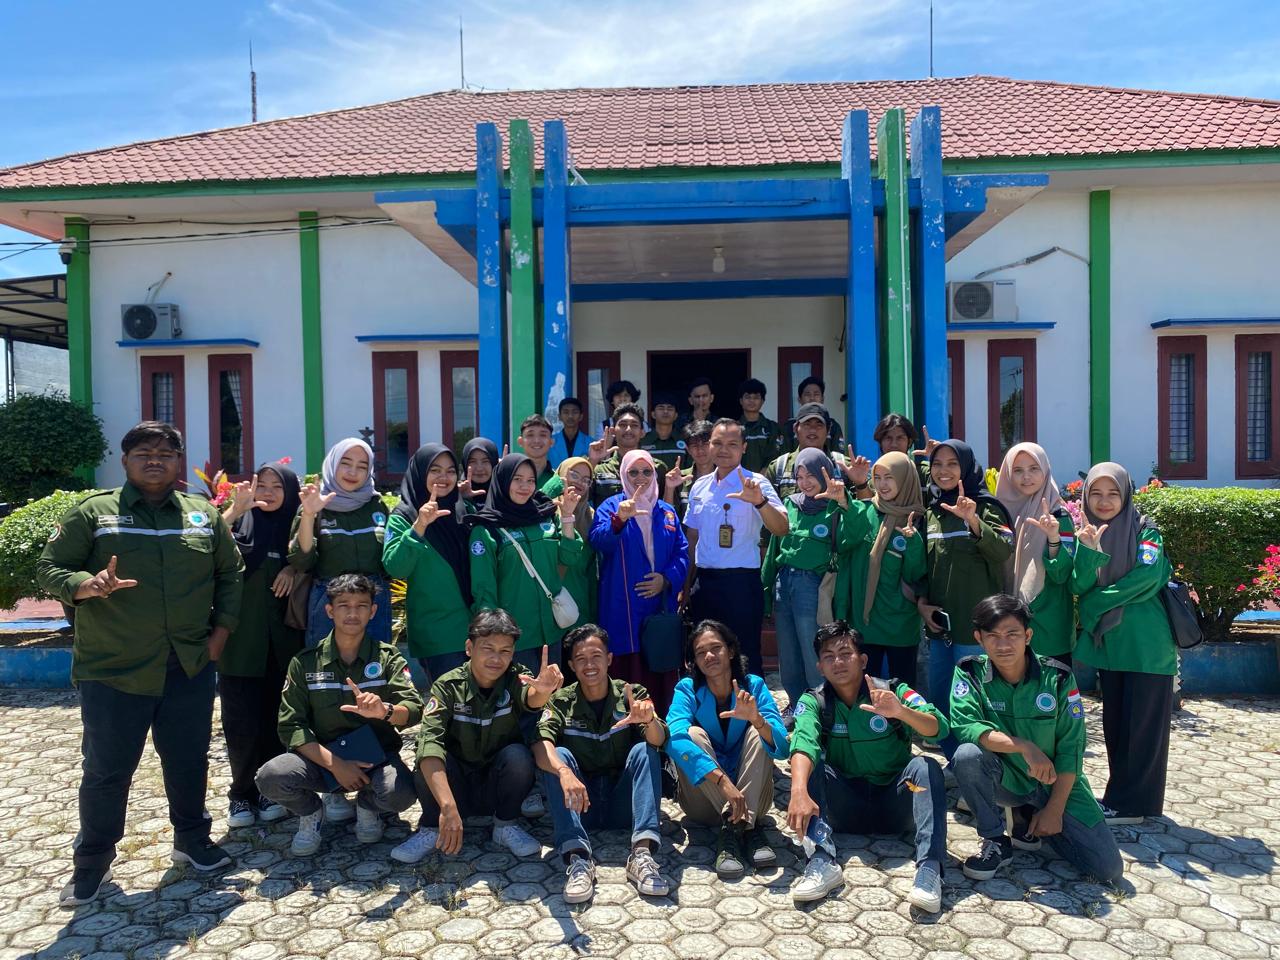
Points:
x=727 y=509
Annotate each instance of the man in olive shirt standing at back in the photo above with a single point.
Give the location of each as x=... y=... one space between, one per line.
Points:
x=155 y=578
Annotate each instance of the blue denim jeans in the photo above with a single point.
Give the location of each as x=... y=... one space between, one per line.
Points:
x=1091 y=850
x=943 y=658
x=850 y=805
x=319 y=624
x=795 y=615
x=629 y=800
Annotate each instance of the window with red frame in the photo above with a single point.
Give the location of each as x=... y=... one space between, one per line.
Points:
x=231 y=414
x=1182 y=424
x=459 y=388
x=955 y=388
x=1011 y=395
x=1257 y=403
x=395 y=412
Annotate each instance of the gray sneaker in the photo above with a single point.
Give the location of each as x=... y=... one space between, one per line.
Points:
x=580 y=884
x=926 y=892
x=642 y=870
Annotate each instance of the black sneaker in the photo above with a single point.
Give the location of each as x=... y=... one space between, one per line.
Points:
x=1023 y=838
x=759 y=853
x=84 y=886
x=995 y=853
x=730 y=864
x=201 y=854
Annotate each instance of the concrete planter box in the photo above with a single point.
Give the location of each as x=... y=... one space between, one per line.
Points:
x=1233 y=667
x=35 y=667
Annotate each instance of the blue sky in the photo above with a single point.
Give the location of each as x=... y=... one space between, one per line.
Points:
x=77 y=75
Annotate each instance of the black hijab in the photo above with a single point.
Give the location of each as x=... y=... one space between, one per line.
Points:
x=447 y=535
x=973 y=481
x=484 y=444
x=260 y=532
x=500 y=510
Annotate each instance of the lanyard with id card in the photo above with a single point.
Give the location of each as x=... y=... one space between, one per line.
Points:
x=726 y=531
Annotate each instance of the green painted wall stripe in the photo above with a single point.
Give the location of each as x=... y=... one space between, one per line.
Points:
x=312 y=354
x=1100 y=325
x=895 y=288
x=525 y=352
x=79 y=324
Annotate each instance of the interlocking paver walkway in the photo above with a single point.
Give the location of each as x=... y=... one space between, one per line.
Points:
x=1201 y=883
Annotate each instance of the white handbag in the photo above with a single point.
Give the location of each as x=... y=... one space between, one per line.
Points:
x=563 y=607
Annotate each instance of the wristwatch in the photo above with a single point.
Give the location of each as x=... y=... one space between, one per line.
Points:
x=391 y=708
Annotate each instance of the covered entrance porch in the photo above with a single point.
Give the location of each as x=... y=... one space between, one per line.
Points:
x=855 y=263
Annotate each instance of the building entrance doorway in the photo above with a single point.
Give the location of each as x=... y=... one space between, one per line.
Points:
x=674 y=370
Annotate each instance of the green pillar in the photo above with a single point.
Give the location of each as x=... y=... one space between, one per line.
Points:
x=895 y=289
x=312 y=358
x=79 y=325
x=525 y=354
x=1100 y=325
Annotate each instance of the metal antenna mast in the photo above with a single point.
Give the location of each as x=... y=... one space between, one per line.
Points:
x=930 y=39
x=253 y=85
x=462 y=60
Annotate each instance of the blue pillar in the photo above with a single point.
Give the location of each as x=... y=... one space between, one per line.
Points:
x=861 y=334
x=557 y=329
x=490 y=286
x=929 y=273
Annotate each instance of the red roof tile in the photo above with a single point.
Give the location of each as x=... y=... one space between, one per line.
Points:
x=643 y=128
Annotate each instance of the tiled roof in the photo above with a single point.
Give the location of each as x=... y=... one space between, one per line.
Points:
x=643 y=128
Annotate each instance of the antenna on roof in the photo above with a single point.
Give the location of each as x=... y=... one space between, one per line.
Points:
x=930 y=39
x=253 y=86
x=462 y=61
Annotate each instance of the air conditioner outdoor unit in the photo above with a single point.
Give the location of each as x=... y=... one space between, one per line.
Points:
x=150 y=321
x=973 y=300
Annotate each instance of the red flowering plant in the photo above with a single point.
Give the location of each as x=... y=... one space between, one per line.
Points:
x=1071 y=502
x=1265 y=585
x=216 y=485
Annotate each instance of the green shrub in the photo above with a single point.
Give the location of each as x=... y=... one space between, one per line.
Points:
x=44 y=440
x=23 y=535
x=1216 y=538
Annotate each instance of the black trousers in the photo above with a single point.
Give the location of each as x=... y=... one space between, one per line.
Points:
x=901 y=662
x=116 y=725
x=1136 y=708
x=250 y=714
x=735 y=598
x=497 y=789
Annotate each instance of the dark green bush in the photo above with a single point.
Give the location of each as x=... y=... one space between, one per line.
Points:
x=23 y=535
x=44 y=440
x=1216 y=538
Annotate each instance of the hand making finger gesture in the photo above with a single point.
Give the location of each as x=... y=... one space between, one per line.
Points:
x=103 y=583
x=750 y=493
x=464 y=486
x=929 y=444
x=602 y=449
x=744 y=706
x=834 y=491
x=368 y=704
x=966 y=508
x=675 y=479
x=857 y=469
x=313 y=501
x=884 y=703
x=627 y=510
x=1047 y=522
x=428 y=514
x=244 y=499
x=568 y=501
x=639 y=712
x=1091 y=536
x=547 y=681
x=909 y=530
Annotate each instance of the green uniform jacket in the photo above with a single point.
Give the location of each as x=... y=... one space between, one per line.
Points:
x=500 y=581
x=1053 y=612
x=316 y=687
x=894 y=620
x=464 y=722
x=860 y=744
x=764 y=443
x=1044 y=708
x=188 y=570
x=663 y=451
x=809 y=545
x=962 y=568
x=569 y=720
x=583 y=583
x=608 y=478
x=344 y=543
x=261 y=636
x=1142 y=641
x=435 y=612
x=781 y=472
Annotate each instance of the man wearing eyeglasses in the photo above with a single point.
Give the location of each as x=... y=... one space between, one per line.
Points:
x=155 y=579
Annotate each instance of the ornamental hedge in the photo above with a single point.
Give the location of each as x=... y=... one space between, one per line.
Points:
x=1217 y=537
x=23 y=535
x=44 y=440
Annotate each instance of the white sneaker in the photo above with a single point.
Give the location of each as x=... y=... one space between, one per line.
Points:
x=926 y=892
x=533 y=806
x=338 y=809
x=420 y=843
x=1115 y=818
x=307 y=840
x=369 y=825
x=580 y=884
x=516 y=840
x=821 y=876
x=269 y=811
x=240 y=813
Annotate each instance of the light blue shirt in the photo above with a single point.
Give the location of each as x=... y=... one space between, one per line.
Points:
x=708 y=499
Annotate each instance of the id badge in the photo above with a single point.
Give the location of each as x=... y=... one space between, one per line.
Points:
x=726 y=535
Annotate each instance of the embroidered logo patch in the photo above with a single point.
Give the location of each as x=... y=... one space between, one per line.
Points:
x=477 y=548
x=197 y=519
x=1045 y=702
x=107 y=520
x=1075 y=706
x=999 y=706
x=899 y=542
x=546 y=715
x=372 y=670
x=323 y=675
x=379 y=519
x=821 y=530
x=839 y=729
x=55 y=532
x=433 y=706
x=548 y=526
x=800 y=709
x=878 y=724
x=1149 y=552
x=505 y=698
x=680 y=445
x=961 y=689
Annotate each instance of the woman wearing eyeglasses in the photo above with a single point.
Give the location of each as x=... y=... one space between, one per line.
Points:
x=643 y=561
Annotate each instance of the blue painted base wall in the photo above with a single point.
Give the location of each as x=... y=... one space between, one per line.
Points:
x=35 y=667
x=1220 y=669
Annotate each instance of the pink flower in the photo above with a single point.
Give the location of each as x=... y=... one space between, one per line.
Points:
x=286 y=460
x=1240 y=589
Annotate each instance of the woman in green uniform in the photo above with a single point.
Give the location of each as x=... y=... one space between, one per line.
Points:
x=1120 y=570
x=518 y=518
x=340 y=529
x=795 y=565
x=1044 y=548
x=582 y=582
x=882 y=554
x=479 y=458
x=426 y=547
x=968 y=541
x=252 y=667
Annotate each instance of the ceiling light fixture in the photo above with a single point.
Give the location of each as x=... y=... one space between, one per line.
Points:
x=717 y=261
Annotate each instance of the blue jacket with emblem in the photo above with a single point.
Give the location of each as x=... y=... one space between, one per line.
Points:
x=696 y=707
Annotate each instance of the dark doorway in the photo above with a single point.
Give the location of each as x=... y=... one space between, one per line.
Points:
x=673 y=370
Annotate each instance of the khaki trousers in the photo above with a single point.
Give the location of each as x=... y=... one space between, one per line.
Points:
x=704 y=802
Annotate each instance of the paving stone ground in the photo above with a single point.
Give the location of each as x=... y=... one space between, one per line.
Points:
x=1200 y=883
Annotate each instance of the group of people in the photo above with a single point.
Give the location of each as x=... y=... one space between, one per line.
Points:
x=576 y=556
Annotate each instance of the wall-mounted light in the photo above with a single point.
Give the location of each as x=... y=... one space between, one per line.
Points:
x=66 y=249
x=717 y=261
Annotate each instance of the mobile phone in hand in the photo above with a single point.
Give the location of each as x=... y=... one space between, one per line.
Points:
x=943 y=619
